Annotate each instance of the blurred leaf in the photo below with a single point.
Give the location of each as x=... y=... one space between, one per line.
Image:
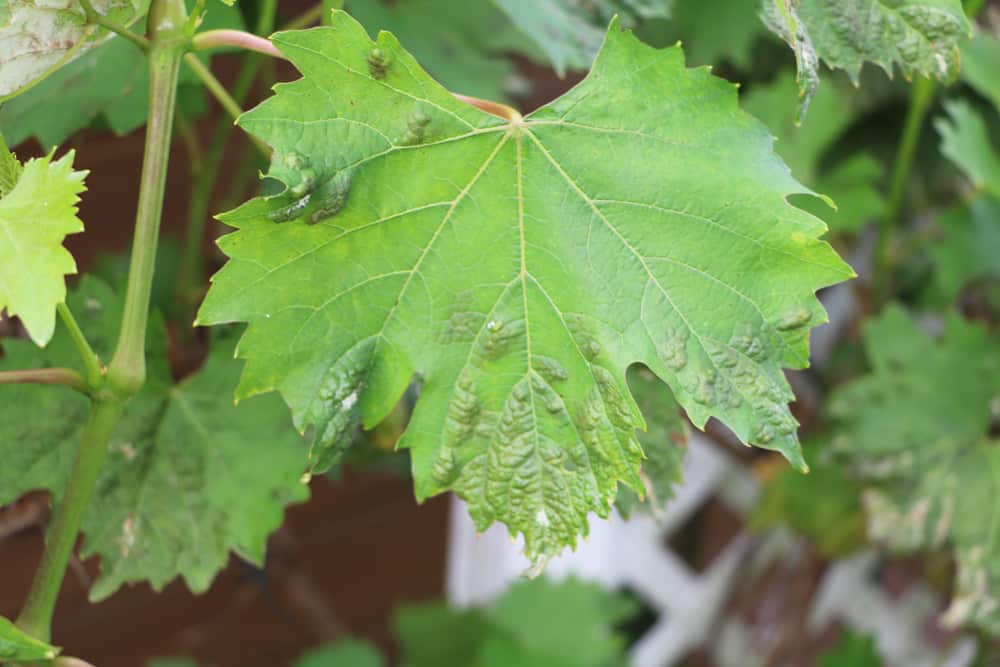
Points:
x=36 y=216
x=823 y=506
x=188 y=478
x=980 y=64
x=853 y=650
x=969 y=249
x=664 y=442
x=852 y=183
x=10 y=169
x=18 y=646
x=921 y=36
x=433 y=635
x=109 y=81
x=965 y=140
x=917 y=427
x=112 y=268
x=345 y=653
x=726 y=32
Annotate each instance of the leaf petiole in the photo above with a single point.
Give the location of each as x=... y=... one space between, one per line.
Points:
x=63 y=376
x=212 y=39
x=96 y=18
x=91 y=362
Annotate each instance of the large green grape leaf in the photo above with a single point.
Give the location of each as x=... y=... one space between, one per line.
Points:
x=109 y=81
x=188 y=477
x=851 y=183
x=35 y=218
x=519 y=268
x=965 y=140
x=36 y=38
x=567 y=30
x=16 y=646
x=921 y=36
x=918 y=428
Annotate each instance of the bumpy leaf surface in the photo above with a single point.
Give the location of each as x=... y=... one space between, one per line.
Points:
x=921 y=36
x=36 y=38
x=918 y=428
x=851 y=183
x=519 y=268
x=17 y=646
x=965 y=140
x=188 y=476
x=35 y=218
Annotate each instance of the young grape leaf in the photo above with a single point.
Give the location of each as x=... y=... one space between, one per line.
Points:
x=921 y=36
x=664 y=443
x=188 y=476
x=968 y=251
x=345 y=653
x=852 y=183
x=16 y=646
x=980 y=63
x=38 y=38
x=965 y=140
x=110 y=81
x=35 y=217
x=918 y=429
x=519 y=267
x=567 y=31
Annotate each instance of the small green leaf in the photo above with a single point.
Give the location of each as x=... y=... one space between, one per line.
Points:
x=188 y=477
x=10 y=169
x=853 y=650
x=520 y=268
x=38 y=38
x=965 y=140
x=918 y=429
x=35 y=218
x=16 y=646
x=921 y=36
x=346 y=653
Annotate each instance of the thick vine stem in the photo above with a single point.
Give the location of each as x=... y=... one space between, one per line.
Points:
x=127 y=370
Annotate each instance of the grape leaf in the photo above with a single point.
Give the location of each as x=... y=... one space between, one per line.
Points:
x=463 y=45
x=188 y=476
x=965 y=140
x=968 y=251
x=434 y=634
x=519 y=267
x=38 y=38
x=664 y=443
x=345 y=653
x=980 y=63
x=566 y=30
x=16 y=646
x=921 y=36
x=852 y=183
x=917 y=428
x=110 y=81
x=35 y=218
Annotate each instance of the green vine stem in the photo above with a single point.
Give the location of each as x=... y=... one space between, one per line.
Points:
x=91 y=362
x=127 y=371
x=190 y=273
x=96 y=18
x=63 y=376
x=221 y=95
